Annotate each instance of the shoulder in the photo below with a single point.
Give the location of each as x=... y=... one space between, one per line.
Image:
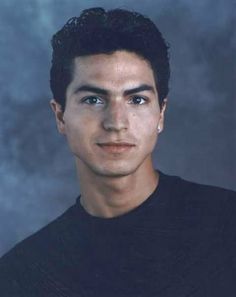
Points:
x=204 y=204
x=27 y=259
x=210 y=197
x=192 y=192
x=45 y=237
x=207 y=207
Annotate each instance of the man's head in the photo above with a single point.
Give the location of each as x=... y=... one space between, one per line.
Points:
x=97 y=31
x=109 y=79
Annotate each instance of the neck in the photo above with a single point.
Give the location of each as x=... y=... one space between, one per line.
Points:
x=107 y=197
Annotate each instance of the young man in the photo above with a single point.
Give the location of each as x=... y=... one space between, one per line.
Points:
x=133 y=231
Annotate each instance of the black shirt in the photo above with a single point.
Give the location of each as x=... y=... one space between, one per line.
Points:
x=180 y=242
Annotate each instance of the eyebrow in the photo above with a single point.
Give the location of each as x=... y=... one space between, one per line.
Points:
x=101 y=91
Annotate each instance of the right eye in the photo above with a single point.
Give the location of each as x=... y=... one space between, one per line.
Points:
x=92 y=100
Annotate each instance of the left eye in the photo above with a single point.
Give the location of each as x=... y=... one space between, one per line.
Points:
x=138 y=100
x=92 y=100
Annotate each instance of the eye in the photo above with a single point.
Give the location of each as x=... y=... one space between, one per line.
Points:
x=92 y=100
x=138 y=100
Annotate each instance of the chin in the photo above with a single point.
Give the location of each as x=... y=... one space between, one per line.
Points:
x=114 y=171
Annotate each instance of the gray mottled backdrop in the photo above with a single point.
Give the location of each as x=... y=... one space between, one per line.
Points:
x=38 y=180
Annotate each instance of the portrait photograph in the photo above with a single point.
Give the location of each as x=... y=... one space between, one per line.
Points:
x=117 y=148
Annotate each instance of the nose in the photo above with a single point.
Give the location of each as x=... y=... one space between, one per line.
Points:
x=116 y=117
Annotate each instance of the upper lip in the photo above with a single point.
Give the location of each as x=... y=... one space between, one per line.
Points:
x=117 y=143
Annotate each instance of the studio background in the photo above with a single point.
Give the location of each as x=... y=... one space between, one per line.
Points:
x=38 y=178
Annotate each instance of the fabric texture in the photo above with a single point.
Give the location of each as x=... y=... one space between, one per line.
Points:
x=180 y=242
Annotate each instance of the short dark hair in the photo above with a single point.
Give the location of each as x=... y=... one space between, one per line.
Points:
x=98 y=31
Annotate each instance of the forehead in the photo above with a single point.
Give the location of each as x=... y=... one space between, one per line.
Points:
x=120 y=68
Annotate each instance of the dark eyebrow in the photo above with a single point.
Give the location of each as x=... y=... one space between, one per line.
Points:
x=92 y=89
x=101 y=91
x=141 y=88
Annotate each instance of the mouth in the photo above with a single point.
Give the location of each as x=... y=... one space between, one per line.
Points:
x=112 y=147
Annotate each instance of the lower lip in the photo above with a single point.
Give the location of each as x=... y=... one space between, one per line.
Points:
x=116 y=148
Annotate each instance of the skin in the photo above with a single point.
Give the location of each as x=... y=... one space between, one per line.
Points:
x=112 y=182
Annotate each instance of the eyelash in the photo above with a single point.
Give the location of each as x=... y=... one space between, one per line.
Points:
x=96 y=97
x=140 y=97
x=90 y=97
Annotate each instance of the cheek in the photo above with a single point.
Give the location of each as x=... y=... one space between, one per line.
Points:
x=146 y=125
x=146 y=132
x=73 y=127
x=79 y=129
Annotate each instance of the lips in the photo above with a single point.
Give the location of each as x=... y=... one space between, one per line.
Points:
x=115 y=144
x=116 y=147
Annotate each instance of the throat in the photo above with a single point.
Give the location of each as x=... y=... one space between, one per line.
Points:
x=109 y=202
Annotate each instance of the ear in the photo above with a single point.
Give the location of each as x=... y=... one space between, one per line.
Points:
x=57 y=109
x=162 y=116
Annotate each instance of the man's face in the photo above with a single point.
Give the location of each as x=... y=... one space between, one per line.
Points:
x=112 y=113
